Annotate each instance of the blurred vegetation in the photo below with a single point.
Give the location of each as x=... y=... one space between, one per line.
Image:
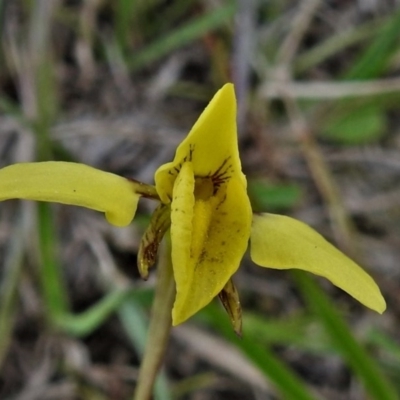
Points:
x=117 y=84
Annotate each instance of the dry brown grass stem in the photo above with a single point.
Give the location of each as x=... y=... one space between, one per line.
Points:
x=282 y=80
x=299 y=26
x=329 y=90
x=223 y=355
x=325 y=182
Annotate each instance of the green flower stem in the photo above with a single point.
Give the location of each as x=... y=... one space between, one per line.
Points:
x=160 y=325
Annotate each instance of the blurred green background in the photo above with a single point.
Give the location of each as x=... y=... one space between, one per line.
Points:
x=117 y=84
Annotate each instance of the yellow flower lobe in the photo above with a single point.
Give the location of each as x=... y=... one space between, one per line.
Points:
x=74 y=184
x=282 y=242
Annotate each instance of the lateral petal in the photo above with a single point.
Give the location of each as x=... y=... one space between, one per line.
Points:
x=71 y=183
x=281 y=242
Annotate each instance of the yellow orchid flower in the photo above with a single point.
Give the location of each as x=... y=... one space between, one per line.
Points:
x=204 y=203
x=210 y=209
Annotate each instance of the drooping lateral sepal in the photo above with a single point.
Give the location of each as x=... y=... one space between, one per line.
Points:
x=151 y=239
x=282 y=242
x=229 y=297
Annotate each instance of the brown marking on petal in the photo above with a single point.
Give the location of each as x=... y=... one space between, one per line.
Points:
x=176 y=169
x=222 y=201
x=191 y=150
x=204 y=188
x=221 y=175
x=202 y=257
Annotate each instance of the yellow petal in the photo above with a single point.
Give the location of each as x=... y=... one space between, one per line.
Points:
x=211 y=145
x=71 y=183
x=281 y=242
x=182 y=209
x=209 y=238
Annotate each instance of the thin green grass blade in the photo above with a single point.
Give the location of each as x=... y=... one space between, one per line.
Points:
x=376 y=384
x=381 y=339
x=54 y=293
x=124 y=14
x=10 y=107
x=265 y=195
x=289 y=331
x=86 y=322
x=287 y=382
x=182 y=36
x=9 y=285
x=47 y=110
x=390 y=351
x=44 y=103
x=193 y=384
x=375 y=59
x=356 y=123
x=178 y=10
x=334 y=44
